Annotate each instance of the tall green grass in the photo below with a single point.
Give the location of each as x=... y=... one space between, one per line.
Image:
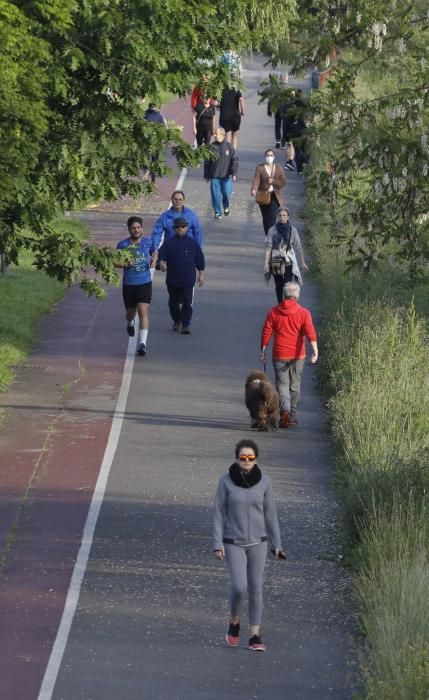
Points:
x=376 y=375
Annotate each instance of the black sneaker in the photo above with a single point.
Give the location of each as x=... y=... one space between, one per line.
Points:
x=186 y=330
x=226 y=212
x=277 y=144
x=290 y=165
x=233 y=635
x=131 y=330
x=255 y=643
x=142 y=349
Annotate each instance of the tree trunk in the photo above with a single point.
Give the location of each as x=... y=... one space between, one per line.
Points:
x=3 y=264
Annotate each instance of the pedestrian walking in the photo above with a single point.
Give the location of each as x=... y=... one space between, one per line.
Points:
x=282 y=249
x=289 y=324
x=163 y=228
x=137 y=280
x=204 y=121
x=221 y=172
x=153 y=114
x=231 y=109
x=268 y=181
x=244 y=520
x=181 y=257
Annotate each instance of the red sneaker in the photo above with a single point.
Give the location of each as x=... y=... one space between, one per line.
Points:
x=255 y=643
x=284 y=420
x=233 y=635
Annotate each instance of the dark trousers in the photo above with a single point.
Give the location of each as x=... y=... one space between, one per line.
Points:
x=180 y=304
x=268 y=212
x=281 y=280
x=203 y=136
x=278 y=127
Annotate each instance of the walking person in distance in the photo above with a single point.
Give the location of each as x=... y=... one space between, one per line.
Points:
x=220 y=173
x=289 y=324
x=267 y=184
x=244 y=519
x=282 y=249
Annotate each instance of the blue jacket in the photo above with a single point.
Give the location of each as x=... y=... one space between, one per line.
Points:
x=164 y=225
x=183 y=256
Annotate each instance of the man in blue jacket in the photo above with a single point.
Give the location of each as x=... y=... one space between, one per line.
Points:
x=181 y=256
x=164 y=226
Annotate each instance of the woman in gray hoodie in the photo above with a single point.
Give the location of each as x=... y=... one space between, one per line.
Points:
x=244 y=519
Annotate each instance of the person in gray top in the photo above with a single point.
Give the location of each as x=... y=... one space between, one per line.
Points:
x=244 y=519
x=282 y=249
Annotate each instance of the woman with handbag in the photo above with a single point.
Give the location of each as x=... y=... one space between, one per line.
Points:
x=282 y=247
x=267 y=184
x=244 y=519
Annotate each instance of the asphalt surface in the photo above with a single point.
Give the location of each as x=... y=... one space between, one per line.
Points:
x=152 y=613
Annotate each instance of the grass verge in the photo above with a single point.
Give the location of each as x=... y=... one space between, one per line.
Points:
x=25 y=295
x=375 y=371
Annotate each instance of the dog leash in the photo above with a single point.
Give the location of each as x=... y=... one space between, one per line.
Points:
x=264 y=366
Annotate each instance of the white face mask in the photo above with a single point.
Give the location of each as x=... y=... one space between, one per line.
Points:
x=269 y=160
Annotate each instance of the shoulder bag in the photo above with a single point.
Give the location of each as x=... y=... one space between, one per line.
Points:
x=264 y=196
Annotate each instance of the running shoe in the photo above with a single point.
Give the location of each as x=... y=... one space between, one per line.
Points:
x=218 y=216
x=256 y=644
x=233 y=635
x=142 y=349
x=177 y=326
x=226 y=212
x=186 y=330
x=131 y=330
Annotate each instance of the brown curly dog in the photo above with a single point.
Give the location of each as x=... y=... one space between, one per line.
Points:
x=262 y=401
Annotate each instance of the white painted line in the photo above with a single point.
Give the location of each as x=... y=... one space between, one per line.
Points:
x=57 y=653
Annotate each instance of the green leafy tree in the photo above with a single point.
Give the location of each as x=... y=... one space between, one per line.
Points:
x=83 y=66
x=372 y=122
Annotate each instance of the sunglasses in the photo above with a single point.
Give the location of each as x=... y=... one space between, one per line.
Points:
x=247 y=458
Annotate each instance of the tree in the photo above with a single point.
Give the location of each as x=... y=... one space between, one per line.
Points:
x=379 y=132
x=87 y=65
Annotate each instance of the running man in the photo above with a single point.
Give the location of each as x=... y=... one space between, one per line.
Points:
x=137 y=280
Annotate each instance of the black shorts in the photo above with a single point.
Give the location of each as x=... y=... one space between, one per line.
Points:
x=134 y=294
x=230 y=122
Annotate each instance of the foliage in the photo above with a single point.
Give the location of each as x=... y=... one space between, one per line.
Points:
x=374 y=352
x=73 y=127
x=40 y=293
x=381 y=148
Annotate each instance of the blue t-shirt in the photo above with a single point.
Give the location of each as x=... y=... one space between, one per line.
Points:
x=139 y=272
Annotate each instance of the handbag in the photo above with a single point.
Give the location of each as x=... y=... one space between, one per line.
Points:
x=264 y=196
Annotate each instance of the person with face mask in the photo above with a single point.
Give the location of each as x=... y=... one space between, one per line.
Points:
x=267 y=184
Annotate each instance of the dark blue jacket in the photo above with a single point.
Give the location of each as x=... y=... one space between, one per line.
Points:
x=183 y=256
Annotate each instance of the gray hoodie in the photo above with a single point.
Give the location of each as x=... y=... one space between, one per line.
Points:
x=245 y=515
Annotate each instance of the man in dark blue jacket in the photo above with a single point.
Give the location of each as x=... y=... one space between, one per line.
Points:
x=181 y=256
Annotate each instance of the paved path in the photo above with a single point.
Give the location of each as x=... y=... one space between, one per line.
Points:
x=152 y=612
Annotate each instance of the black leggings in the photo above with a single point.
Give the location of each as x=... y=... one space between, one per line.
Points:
x=269 y=212
x=281 y=280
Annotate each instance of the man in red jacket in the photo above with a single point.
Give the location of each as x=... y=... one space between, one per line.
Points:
x=290 y=324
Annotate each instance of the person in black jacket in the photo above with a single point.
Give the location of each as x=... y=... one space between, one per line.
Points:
x=181 y=256
x=220 y=172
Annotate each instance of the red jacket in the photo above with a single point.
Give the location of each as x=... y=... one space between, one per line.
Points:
x=289 y=323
